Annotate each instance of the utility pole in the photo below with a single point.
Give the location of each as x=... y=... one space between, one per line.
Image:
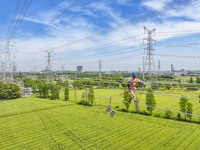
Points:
x=149 y=62
x=48 y=68
x=62 y=71
x=14 y=67
x=34 y=71
x=139 y=71
x=100 y=68
x=35 y=76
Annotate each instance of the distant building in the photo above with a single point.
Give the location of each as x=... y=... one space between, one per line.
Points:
x=182 y=70
x=172 y=67
x=79 y=68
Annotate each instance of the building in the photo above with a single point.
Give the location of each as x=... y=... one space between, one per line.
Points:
x=79 y=68
x=172 y=68
x=182 y=70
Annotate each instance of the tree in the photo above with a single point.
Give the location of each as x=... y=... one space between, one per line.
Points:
x=179 y=81
x=45 y=90
x=198 y=80
x=199 y=98
x=168 y=114
x=86 y=95
x=82 y=101
x=67 y=93
x=189 y=110
x=9 y=91
x=150 y=101
x=54 y=92
x=127 y=100
x=179 y=116
x=191 y=80
x=183 y=104
x=28 y=82
x=91 y=96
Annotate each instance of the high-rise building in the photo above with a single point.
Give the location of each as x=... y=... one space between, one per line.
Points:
x=172 y=67
x=79 y=68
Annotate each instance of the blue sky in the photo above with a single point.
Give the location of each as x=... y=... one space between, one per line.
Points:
x=81 y=32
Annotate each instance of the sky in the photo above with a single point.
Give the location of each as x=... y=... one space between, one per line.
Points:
x=83 y=32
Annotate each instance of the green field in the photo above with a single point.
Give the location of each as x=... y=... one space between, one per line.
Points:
x=31 y=123
x=168 y=99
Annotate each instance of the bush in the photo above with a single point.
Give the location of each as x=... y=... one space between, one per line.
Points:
x=183 y=104
x=179 y=116
x=127 y=100
x=82 y=102
x=9 y=91
x=150 y=101
x=91 y=96
x=66 y=93
x=168 y=114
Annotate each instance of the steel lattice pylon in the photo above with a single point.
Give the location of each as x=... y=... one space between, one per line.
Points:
x=149 y=65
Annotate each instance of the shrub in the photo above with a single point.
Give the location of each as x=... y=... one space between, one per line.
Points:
x=168 y=114
x=9 y=91
x=150 y=101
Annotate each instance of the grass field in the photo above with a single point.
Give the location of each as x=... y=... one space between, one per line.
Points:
x=168 y=99
x=32 y=123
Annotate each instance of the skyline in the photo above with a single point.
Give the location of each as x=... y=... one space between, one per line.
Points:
x=83 y=32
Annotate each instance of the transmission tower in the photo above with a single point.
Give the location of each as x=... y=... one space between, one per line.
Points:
x=143 y=68
x=100 y=68
x=48 y=67
x=8 y=64
x=14 y=67
x=149 y=65
x=158 y=67
x=2 y=70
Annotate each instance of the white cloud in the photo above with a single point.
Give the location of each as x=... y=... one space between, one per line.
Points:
x=155 y=4
x=125 y=2
x=49 y=17
x=192 y=11
x=64 y=35
x=107 y=11
x=75 y=28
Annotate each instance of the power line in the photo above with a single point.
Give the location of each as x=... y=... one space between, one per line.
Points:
x=176 y=5
x=181 y=56
x=108 y=45
x=106 y=54
x=19 y=18
x=51 y=21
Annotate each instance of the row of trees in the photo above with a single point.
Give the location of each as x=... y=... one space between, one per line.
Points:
x=168 y=86
x=192 y=80
x=48 y=90
x=51 y=90
x=99 y=83
x=185 y=107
